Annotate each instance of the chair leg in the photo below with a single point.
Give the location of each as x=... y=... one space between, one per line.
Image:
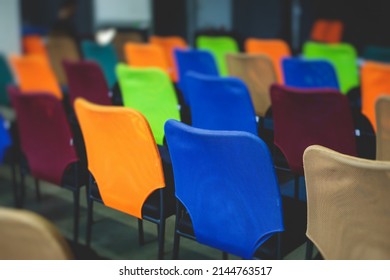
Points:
x=225 y=256
x=37 y=190
x=296 y=187
x=76 y=210
x=279 y=246
x=15 y=188
x=22 y=188
x=176 y=244
x=141 y=240
x=89 y=222
x=309 y=250
x=161 y=238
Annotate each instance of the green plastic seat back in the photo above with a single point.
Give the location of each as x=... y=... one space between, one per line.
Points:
x=6 y=78
x=343 y=56
x=149 y=91
x=219 y=46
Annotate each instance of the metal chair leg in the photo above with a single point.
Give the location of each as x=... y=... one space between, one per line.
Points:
x=161 y=237
x=309 y=250
x=225 y=256
x=76 y=210
x=15 y=187
x=89 y=222
x=141 y=240
x=176 y=244
x=279 y=246
x=22 y=188
x=37 y=190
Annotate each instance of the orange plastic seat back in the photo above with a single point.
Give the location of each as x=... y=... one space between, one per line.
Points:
x=35 y=75
x=146 y=55
x=375 y=82
x=327 y=31
x=122 y=155
x=33 y=44
x=276 y=49
x=168 y=44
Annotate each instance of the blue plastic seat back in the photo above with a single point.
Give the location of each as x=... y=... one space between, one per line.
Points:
x=305 y=73
x=194 y=60
x=5 y=138
x=227 y=183
x=105 y=56
x=220 y=103
x=6 y=79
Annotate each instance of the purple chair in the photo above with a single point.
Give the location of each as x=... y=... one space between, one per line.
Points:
x=86 y=79
x=47 y=144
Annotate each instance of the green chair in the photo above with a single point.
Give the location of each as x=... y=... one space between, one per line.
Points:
x=343 y=56
x=149 y=91
x=6 y=78
x=219 y=46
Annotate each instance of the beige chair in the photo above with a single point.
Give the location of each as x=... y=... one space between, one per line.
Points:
x=121 y=38
x=382 y=110
x=25 y=235
x=258 y=73
x=348 y=205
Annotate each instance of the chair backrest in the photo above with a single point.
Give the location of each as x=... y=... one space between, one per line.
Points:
x=276 y=49
x=35 y=75
x=382 y=110
x=194 y=60
x=219 y=46
x=105 y=56
x=377 y=53
x=308 y=73
x=227 y=183
x=311 y=117
x=86 y=79
x=34 y=45
x=149 y=91
x=122 y=155
x=375 y=82
x=220 y=103
x=258 y=73
x=6 y=78
x=327 y=31
x=168 y=44
x=25 y=235
x=348 y=205
x=61 y=48
x=123 y=37
x=5 y=138
x=45 y=136
x=343 y=56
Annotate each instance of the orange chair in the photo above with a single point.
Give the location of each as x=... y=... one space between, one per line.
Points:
x=146 y=55
x=126 y=168
x=168 y=44
x=327 y=31
x=35 y=75
x=34 y=45
x=375 y=83
x=276 y=49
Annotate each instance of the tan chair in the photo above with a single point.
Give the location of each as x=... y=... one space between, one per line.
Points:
x=382 y=110
x=121 y=38
x=348 y=205
x=258 y=73
x=25 y=235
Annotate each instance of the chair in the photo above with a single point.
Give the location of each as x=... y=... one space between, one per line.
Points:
x=121 y=137
x=61 y=48
x=382 y=112
x=105 y=56
x=219 y=46
x=220 y=103
x=348 y=206
x=310 y=117
x=123 y=37
x=34 y=45
x=377 y=53
x=6 y=78
x=258 y=73
x=86 y=79
x=375 y=82
x=168 y=44
x=327 y=31
x=35 y=75
x=343 y=56
x=276 y=49
x=194 y=60
x=151 y=92
x=25 y=235
x=308 y=73
x=47 y=144
x=227 y=183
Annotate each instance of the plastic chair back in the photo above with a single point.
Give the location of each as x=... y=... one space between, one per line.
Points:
x=219 y=46
x=6 y=78
x=276 y=49
x=327 y=31
x=311 y=117
x=122 y=155
x=220 y=103
x=34 y=45
x=149 y=91
x=382 y=110
x=258 y=73
x=227 y=183
x=5 y=139
x=377 y=53
x=348 y=206
x=121 y=39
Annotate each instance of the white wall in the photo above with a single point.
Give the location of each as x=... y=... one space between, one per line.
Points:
x=10 y=30
x=214 y=14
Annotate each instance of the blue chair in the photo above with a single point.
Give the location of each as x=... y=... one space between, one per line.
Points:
x=226 y=182
x=220 y=103
x=5 y=139
x=194 y=60
x=304 y=73
x=105 y=56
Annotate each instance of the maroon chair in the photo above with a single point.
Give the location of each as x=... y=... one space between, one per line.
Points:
x=86 y=79
x=305 y=117
x=46 y=142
